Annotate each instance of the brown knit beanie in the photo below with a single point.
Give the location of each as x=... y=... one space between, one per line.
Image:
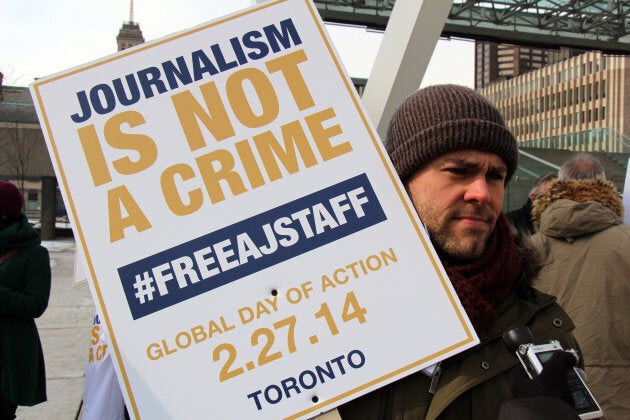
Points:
x=11 y=200
x=444 y=118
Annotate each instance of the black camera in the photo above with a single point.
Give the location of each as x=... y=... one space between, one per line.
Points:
x=533 y=358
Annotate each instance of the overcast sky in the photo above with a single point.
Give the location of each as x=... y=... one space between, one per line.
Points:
x=42 y=37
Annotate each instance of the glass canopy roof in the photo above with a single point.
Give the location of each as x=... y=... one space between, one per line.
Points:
x=584 y=24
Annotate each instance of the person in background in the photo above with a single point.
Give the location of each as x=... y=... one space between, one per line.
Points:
x=579 y=222
x=102 y=396
x=455 y=156
x=24 y=291
x=522 y=218
x=582 y=166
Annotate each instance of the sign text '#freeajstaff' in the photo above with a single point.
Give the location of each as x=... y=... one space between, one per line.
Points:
x=251 y=245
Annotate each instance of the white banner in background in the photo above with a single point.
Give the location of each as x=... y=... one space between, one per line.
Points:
x=245 y=238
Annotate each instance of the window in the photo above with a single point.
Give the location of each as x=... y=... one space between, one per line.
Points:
x=577 y=94
x=31 y=201
x=596 y=90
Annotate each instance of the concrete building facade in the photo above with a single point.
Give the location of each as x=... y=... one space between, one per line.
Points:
x=579 y=104
x=24 y=158
x=495 y=61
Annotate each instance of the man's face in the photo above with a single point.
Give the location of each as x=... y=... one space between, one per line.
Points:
x=458 y=196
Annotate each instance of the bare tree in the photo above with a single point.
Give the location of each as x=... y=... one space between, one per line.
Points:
x=17 y=151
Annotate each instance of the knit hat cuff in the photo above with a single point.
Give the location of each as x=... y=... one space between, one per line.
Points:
x=449 y=136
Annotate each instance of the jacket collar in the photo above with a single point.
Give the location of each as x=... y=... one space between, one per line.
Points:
x=598 y=190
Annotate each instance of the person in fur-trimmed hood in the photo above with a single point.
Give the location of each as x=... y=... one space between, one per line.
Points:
x=579 y=225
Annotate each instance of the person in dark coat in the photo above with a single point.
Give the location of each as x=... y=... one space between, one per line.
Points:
x=24 y=291
x=521 y=218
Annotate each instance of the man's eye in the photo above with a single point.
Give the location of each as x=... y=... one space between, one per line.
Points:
x=496 y=176
x=457 y=171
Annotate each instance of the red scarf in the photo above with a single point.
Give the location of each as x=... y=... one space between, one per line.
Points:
x=483 y=284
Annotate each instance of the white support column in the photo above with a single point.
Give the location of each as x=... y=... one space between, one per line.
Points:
x=412 y=32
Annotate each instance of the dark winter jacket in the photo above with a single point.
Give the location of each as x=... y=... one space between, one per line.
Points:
x=24 y=291
x=474 y=383
x=521 y=218
x=587 y=247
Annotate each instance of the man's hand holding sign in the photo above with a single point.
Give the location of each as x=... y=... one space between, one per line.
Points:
x=257 y=247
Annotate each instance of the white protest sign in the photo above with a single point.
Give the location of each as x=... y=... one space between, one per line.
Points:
x=246 y=240
x=626 y=195
x=78 y=277
x=102 y=396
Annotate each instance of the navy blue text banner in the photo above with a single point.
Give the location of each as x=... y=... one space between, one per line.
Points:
x=249 y=246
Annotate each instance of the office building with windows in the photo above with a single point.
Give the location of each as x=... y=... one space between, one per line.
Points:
x=496 y=61
x=581 y=103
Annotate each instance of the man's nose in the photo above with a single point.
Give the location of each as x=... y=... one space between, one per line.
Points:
x=478 y=191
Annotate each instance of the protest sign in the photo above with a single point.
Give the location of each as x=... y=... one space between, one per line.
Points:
x=78 y=277
x=102 y=396
x=245 y=238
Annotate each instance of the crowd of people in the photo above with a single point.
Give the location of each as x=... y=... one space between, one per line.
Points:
x=559 y=266
x=455 y=156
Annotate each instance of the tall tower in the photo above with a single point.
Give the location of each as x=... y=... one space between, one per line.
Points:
x=130 y=34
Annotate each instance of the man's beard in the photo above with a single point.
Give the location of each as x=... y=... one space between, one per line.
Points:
x=470 y=243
